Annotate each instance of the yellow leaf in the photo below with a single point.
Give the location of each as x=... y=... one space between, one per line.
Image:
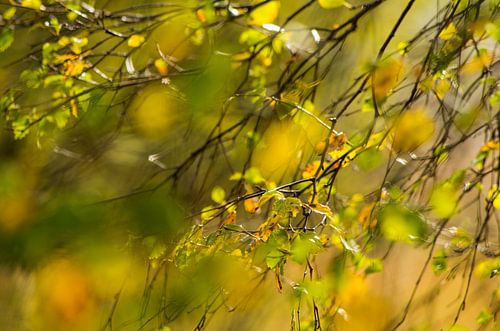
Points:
x=479 y=62
x=311 y=169
x=73 y=68
x=251 y=205
x=230 y=219
x=320 y=209
x=74 y=108
x=490 y=146
x=135 y=40
x=442 y=87
x=201 y=16
x=494 y=194
x=365 y=217
x=330 y=4
x=449 y=32
x=412 y=129
x=161 y=66
x=267 y=13
x=385 y=77
x=34 y=4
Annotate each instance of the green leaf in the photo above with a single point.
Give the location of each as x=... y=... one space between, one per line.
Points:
x=61 y=118
x=304 y=245
x=439 y=263
x=493 y=30
x=274 y=258
x=234 y=227
x=398 y=223
x=20 y=126
x=9 y=13
x=494 y=99
x=6 y=38
x=375 y=265
x=367 y=264
x=458 y=328
x=32 y=78
x=369 y=159
x=484 y=317
x=461 y=240
x=253 y=176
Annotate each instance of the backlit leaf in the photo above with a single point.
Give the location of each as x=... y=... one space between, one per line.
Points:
x=449 y=32
x=266 y=13
x=161 y=66
x=385 y=77
x=412 y=129
x=6 y=38
x=330 y=4
x=444 y=200
x=135 y=40
x=398 y=223
x=218 y=194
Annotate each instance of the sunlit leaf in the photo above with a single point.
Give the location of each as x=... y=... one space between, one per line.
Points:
x=461 y=240
x=494 y=99
x=270 y=195
x=311 y=169
x=494 y=195
x=403 y=47
x=9 y=13
x=458 y=328
x=330 y=4
x=488 y=268
x=369 y=159
x=74 y=68
x=251 y=205
x=218 y=194
x=479 y=62
x=266 y=13
x=135 y=40
x=6 y=38
x=493 y=30
x=444 y=200
x=161 y=66
x=303 y=246
x=412 y=129
x=34 y=4
x=439 y=262
x=399 y=223
x=208 y=213
x=448 y=32
x=385 y=77
x=484 y=317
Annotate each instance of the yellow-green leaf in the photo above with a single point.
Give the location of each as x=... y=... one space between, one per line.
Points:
x=444 y=200
x=267 y=13
x=218 y=194
x=449 y=32
x=6 y=38
x=330 y=4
